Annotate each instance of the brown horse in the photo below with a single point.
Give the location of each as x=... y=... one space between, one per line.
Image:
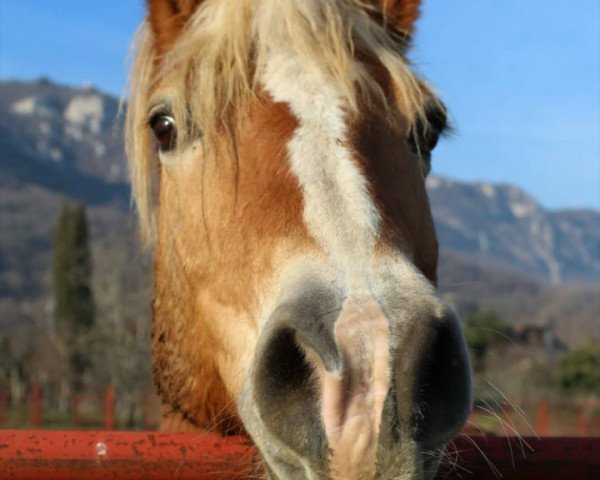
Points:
x=278 y=152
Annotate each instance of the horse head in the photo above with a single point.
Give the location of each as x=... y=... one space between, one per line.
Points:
x=279 y=151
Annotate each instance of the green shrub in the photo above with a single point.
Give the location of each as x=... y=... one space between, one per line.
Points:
x=579 y=370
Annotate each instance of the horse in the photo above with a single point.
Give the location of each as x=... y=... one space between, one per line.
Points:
x=278 y=152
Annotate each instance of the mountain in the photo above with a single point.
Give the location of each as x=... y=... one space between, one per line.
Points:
x=502 y=225
x=500 y=249
x=64 y=140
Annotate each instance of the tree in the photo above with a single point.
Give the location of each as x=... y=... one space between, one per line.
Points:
x=579 y=370
x=62 y=271
x=74 y=303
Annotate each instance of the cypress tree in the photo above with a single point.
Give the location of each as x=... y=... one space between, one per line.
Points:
x=83 y=308
x=74 y=302
x=62 y=267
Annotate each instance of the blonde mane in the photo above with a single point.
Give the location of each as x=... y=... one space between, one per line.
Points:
x=212 y=71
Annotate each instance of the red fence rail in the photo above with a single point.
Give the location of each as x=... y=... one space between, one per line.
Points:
x=70 y=455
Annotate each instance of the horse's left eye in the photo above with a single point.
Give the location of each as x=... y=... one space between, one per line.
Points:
x=163 y=127
x=424 y=139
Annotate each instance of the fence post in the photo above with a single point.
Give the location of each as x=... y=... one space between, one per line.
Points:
x=35 y=403
x=75 y=400
x=147 y=400
x=581 y=420
x=581 y=425
x=3 y=406
x=542 y=419
x=109 y=407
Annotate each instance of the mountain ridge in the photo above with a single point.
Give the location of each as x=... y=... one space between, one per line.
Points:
x=504 y=225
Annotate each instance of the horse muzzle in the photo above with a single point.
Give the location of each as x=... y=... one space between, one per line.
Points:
x=358 y=387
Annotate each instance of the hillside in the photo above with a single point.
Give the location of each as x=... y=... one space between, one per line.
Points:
x=502 y=225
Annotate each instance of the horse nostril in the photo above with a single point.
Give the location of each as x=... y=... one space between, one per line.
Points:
x=443 y=384
x=285 y=392
x=280 y=401
x=284 y=369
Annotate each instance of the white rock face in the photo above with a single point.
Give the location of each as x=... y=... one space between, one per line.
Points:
x=520 y=204
x=36 y=105
x=86 y=112
x=488 y=190
x=520 y=210
x=523 y=207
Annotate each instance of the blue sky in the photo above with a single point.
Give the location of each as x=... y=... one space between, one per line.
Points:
x=520 y=77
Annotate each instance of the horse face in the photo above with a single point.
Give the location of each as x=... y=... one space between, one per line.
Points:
x=296 y=255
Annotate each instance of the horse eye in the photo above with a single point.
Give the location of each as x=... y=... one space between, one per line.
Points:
x=163 y=127
x=424 y=140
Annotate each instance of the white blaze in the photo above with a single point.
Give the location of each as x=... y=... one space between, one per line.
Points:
x=337 y=207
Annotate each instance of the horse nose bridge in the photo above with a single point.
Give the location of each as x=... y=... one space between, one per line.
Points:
x=352 y=399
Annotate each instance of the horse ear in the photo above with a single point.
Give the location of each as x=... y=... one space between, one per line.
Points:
x=400 y=14
x=167 y=18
